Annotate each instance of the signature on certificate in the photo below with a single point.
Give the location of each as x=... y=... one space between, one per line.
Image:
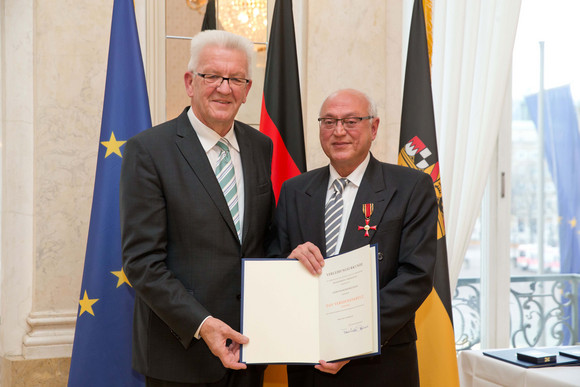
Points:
x=355 y=329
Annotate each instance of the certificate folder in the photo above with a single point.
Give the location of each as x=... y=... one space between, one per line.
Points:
x=573 y=352
x=292 y=316
x=510 y=356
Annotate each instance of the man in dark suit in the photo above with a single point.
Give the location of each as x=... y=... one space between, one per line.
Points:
x=196 y=197
x=392 y=206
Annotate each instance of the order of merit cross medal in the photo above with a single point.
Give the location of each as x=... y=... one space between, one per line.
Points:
x=368 y=209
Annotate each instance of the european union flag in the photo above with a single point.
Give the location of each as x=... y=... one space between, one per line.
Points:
x=102 y=344
x=562 y=149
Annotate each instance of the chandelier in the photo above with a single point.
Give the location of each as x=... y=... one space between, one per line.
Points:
x=248 y=18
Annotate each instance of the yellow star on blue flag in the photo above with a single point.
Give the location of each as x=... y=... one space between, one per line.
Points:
x=122 y=278
x=113 y=146
x=87 y=304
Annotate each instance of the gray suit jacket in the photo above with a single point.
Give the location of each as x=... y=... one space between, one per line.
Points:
x=405 y=213
x=181 y=251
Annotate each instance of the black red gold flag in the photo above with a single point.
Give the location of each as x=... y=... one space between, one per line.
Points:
x=281 y=117
x=209 y=19
x=418 y=150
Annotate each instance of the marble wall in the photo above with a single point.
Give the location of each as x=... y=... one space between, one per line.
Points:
x=54 y=56
x=54 y=67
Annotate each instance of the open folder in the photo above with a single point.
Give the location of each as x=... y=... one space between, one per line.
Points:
x=292 y=316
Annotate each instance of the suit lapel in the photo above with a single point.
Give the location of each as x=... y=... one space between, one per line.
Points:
x=191 y=149
x=310 y=207
x=373 y=189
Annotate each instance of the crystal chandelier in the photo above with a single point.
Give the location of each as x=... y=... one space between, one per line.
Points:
x=248 y=18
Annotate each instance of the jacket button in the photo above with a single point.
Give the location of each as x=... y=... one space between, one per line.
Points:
x=239 y=297
x=380 y=256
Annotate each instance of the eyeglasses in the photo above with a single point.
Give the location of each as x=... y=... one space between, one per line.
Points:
x=216 y=80
x=348 y=123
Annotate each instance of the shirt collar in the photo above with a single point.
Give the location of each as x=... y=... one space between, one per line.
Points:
x=209 y=137
x=355 y=177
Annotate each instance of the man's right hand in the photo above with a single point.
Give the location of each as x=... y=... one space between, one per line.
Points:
x=216 y=333
x=310 y=256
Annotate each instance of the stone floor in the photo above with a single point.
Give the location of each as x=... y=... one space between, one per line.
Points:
x=17 y=372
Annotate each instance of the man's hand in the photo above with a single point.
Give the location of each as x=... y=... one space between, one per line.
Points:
x=310 y=256
x=216 y=333
x=331 y=368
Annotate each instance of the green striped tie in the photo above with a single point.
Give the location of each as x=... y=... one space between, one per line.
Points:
x=226 y=176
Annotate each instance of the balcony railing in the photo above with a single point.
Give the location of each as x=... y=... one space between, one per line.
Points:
x=543 y=311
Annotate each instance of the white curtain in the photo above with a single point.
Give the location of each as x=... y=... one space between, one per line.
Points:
x=471 y=61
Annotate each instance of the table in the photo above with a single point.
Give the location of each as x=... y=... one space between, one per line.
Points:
x=478 y=370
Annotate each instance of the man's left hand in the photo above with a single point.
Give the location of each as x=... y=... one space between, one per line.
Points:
x=223 y=342
x=310 y=256
x=331 y=368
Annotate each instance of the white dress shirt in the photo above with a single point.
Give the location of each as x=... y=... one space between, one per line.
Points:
x=209 y=140
x=348 y=195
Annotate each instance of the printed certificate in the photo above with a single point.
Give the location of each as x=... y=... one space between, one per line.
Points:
x=292 y=316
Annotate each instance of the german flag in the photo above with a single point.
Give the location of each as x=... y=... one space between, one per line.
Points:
x=281 y=117
x=418 y=150
x=209 y=21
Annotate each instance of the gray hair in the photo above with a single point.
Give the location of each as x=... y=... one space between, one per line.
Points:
x=221 y=39
x=372 y=105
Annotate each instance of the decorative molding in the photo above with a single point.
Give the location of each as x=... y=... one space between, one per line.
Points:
x=51 y=335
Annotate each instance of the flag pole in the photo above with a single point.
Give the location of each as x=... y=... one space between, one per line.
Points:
x=541 y=174
x=541 y=164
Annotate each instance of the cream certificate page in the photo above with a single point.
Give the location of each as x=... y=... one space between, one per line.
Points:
x=291 y=316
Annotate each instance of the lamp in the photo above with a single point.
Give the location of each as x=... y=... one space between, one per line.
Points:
x=248 y=18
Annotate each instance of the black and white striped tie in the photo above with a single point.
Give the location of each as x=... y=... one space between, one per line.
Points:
x=333 y=216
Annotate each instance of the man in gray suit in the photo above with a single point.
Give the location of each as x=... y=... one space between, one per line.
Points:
x=355 y=201
x=196 y=197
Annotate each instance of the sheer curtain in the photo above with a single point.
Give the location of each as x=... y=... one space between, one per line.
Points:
x=471 y=63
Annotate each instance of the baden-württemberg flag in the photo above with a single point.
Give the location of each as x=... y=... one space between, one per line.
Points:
x=102 y=344
x=418 y=150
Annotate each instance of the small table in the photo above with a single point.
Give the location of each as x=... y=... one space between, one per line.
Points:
x=478 y=370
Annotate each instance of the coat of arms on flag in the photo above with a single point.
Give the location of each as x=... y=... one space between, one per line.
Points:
x=415 y=154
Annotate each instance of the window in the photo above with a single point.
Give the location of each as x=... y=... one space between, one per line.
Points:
x=542 y=178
